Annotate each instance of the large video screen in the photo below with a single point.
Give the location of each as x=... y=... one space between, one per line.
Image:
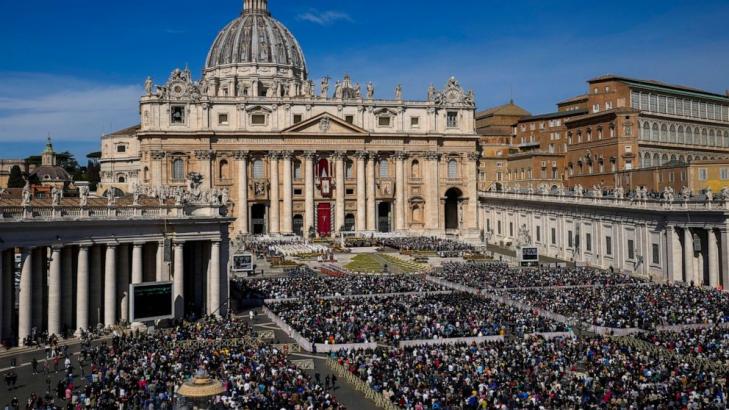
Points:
x=151 y=301
x=529 y=254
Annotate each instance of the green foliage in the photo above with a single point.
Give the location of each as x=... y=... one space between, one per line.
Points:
x=16 y=178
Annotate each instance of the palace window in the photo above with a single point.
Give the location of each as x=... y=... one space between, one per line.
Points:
x=224 y=171
x=608 y=246
x=452 y=119
x=384 y=121
x=178 y=169
x=222 y=119
x=415 y=169
x=703 y=174
x=121 y=148
x=414 y=122
x=554 y=236
x=631 y=249
x=452 y=169
x=349 y=170
x=258 y=171
x=297 y=118
x=349 y=119
x=177 y=114
x=384 y=169
x=297 y=170
x=656 y=254
x=724 y=173
x=258 y=119
x=588 y=242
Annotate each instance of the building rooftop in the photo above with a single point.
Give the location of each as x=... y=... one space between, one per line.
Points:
x=124 y=132
x=552 y=115
x=578 y=98
x=508 y=109
x=658 y=84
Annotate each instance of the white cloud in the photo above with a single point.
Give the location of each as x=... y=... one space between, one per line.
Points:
x=324 y=18
x=34 y=105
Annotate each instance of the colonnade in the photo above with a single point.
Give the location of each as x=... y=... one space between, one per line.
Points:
x=64 y=288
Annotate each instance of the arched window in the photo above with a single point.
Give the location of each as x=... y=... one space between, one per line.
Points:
x=681 y=135
x=647 y=161
x=664 y=159
x=656 y=160
x=121 y=179
x=258 y=169
x=704 y=135
x=415 y=169
x=452 y=169
x=689 y=136
x=664 y=133
x=297 y=169
x=726 y=138
x=384 y=169
x=654 y=133
x=178 y=169
x=349 y=169
x=417 y=214
x=712 y=138
x=672 y=134
x=146 y=174
x=224 y=169
x=645 y=133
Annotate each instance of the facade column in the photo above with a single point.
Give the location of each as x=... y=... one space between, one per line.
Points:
x=123 y=284
x=713 y=259
x=339 y=190
x=82 y=289
x=242 y=205
x=400 y=191
x=137 y=269
x=160 y=274
x=8 y=293
x=371 y=193
x=54 y=293
x=361 y=223
x=39 y=256
x=471 y=218
x=25 y=300
x=158 y=158
x=274 y=197
x=433 y=202
x=214 y=278
x=67 y=296
x=675 y=256
x=308 y=192
x=688 y=256
x=179 y=281
x=288 y=189
x=110 y=286
x=204 y=158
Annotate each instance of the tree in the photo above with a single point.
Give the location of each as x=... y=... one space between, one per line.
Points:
x=93 y=174
x=16 y=178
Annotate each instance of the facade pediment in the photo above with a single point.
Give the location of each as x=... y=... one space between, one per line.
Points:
x=325 y=123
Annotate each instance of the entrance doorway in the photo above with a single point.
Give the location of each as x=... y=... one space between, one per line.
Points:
x=258 y=219
x=324 y=219
x=349 y=222
x=452 y=204
x=298 y=225
x=383 y=217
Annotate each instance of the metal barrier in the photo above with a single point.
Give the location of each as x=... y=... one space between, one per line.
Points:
x=360 y=385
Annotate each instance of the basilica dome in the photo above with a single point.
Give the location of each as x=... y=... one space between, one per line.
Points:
x=253 y=40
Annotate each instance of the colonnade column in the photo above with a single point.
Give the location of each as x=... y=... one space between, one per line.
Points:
x=472 y=187
x=361 y=223
x=110 y=286
x=724 y=257
x=433 y=202
x=137 y=269
x=160 y=275
x=713 y=258
x=674 y=245
x=371 y=193
x=82 y=289
x=214 y=278
x=242 y=205
x=400 y=191
x=339 y=190
x=179 y=281
x=308 y=192
x=67 y=295
x=688 y=255
x=123 y=279
x=274 y=197
x=54 y=293
x=286 y=226
x=25 y=299
x=95 y=285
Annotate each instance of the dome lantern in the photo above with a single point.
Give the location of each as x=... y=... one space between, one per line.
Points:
x=255 y=6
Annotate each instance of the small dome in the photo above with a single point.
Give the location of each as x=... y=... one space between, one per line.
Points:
x=51 y=173
x=256 y=39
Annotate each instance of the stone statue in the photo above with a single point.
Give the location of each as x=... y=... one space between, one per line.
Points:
x=596 y=192
x=225 y=196
x=431 y=92
x=110 y=197
x=578 y=191
x=338 y=90
x=560 y=190
x=524 y=237
x=685 y=193
x=271 y=91
x=148 y=86
x=27 y=196
x=55 y=196
x=135 y=197
x=240 y=88
x=83 y=196
x=470 y=98
x=398 y=92
x=324 y=87
x=279 y=89
x=668 y=194
x=292 y=89
x=357 y=91
x=709 y=195
x=724 y=194
x=619 y=193
x=370 y=90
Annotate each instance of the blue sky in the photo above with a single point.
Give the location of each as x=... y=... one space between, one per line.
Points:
x=75 y=68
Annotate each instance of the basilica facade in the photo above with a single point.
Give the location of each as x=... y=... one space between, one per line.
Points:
x=296 y=157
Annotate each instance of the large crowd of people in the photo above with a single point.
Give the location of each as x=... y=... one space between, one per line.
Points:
x=707 y=343
x=414 y=317
x=535 y=374
x=311 y=286
x=482 y=275
x=643 y=307
x=143 y=371
x=442 y=246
